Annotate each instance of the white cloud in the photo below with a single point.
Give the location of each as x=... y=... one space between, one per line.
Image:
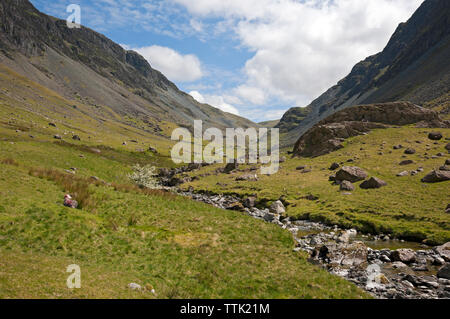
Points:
x=302 y=47
x=177 y=67
x=216 y=101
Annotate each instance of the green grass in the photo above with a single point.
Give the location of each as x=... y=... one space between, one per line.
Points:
x=406 y=208
x=181 y=248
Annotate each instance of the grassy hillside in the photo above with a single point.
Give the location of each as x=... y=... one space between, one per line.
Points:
x=122 y=234
x=406 y=207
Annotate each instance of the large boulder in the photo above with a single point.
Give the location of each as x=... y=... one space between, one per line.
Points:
x=352 y=174
x=372 y=183
x=436 y=176
x=406 y=256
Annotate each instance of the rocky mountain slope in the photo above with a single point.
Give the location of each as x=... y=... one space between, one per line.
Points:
x=329 y=134
x=413 y=67
x=81 y=64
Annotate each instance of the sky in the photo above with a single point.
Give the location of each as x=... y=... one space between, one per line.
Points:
x=254 y=58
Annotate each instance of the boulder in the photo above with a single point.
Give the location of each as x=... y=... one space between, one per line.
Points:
x=398 y=147
x=406 y=162
x=444 y=272
x=76 y=138
x=277 y=208
x=402 y=174
x=248 y=178
x=351 y=173
x=347 y=186
x=447 y=162
x=372 y=183
x=404 y=255
x=334 y=166
x=435 y=136
x=250 y=202
x=57 y=137
x=447 y=210
x=231 y=167
x=410 y=151
x=134 y=286
x=444 y=251
x=445 y=168
x=436 y=176
x=447 y=147
x=52 y=124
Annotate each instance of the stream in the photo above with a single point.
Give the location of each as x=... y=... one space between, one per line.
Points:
x=386 y=268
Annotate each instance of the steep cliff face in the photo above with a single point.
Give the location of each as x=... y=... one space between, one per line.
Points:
x=413 y=67
x=80 y=62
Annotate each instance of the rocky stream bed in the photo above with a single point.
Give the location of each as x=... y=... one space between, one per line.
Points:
x=387 y=268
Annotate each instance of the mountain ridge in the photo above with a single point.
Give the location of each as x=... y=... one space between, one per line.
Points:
x=46 y=50
x=411 y=68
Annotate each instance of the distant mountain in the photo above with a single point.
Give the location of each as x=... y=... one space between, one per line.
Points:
x=414 y=66
x=84 y=65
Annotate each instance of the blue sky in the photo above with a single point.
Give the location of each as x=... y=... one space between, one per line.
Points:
x=255 y=58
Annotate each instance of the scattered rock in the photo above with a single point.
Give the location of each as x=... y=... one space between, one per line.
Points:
x=52 y=124
x=277 y=208
x=352 y=174
x=237 y=206
x=231 y=167
x=76 y=138
x=372 y=183
x=248 y=178
x=398 y=147
x=402 y=174
x=334 y=166
x=445 y=168
x=406 y=162
x=347 y=186
x=447 y=147
x=153 y=150
x=436 y=176
x=134 y=286
x=435 y=136
x=410 y=151
x=404 y=255
x=300 y=168
x=282 y=159
x=447 y=210
x=250 y=202
x=444 y=272
x=444 y=251
x=57 y=137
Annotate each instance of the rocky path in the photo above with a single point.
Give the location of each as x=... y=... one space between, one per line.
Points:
x=387 y=270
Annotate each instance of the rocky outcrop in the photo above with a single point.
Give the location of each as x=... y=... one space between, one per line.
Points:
x=328 y=135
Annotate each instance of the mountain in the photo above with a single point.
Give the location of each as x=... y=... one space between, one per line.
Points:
x=83 y=65
x=413 y=67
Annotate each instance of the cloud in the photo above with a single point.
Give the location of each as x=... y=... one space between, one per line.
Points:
x=301 y=48
x=214 y=100
x=177 y=67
